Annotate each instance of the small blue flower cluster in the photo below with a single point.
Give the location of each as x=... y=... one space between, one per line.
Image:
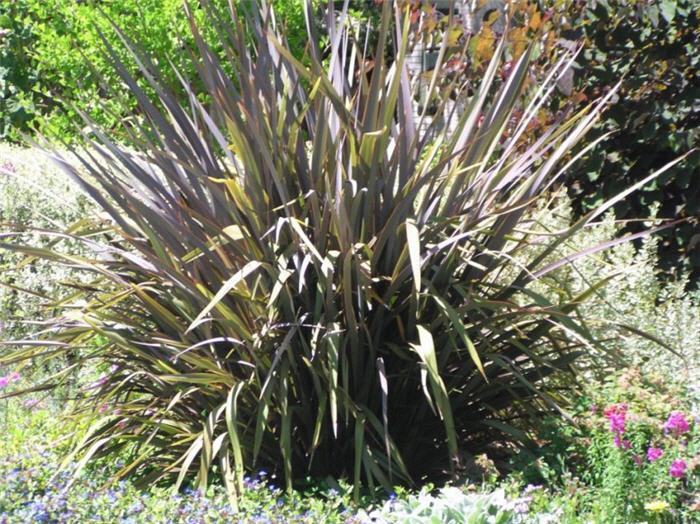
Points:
x=32 y=492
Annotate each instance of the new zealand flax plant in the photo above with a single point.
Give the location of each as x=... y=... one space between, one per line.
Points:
x=296 y=272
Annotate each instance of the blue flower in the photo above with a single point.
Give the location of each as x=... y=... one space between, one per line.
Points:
x=111 y=496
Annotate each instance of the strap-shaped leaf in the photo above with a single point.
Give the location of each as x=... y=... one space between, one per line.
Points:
x=456 y=322
x=231 y=283
x=426 y=351
x=234 y=437
x=413 y=242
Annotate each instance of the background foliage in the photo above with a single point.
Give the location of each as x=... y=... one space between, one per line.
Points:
x=33 y=195
x=651 y=324
x=52 y=52
x=18 y=69
x=651 y=43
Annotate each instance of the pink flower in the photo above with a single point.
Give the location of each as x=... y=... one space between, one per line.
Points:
x=594 y=409
x=4 y=381
x=31 y=403
x=616 y=414
x=99 y=382
x=677 y=423
x=619 y=443
x=654 y=453
x=615 y=408
x=678 y=468
x=637 y=460
x=617 y=422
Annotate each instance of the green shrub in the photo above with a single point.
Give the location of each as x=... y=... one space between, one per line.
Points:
x=18 y=73
x=652 y=45
x=71 y=64
x=52 y=61
x=646 y=322
x=293 y=278
x=641 y=447
x=33 y=196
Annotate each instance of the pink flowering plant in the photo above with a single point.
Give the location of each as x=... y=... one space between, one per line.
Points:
x=8 y=379
x=641 y=446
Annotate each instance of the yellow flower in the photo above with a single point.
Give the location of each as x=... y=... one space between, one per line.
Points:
x=657 y=506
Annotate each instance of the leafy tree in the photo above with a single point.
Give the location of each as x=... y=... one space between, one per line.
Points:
x=652 y=45
x=18 y=71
